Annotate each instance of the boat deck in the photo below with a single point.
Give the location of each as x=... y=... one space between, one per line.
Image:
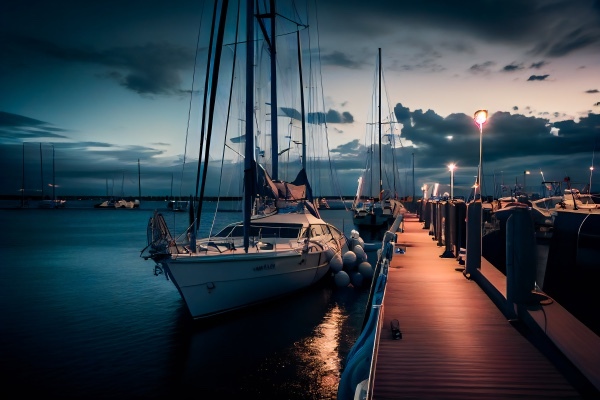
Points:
x=458 y=343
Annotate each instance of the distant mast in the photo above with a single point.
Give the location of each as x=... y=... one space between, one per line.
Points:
x=53 y=178
x=42 y=170
x=302 y=111
x=23 y=179
x=139 y=182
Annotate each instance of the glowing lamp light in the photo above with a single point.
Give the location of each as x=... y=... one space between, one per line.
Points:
x=480 y=117
x=451 y=167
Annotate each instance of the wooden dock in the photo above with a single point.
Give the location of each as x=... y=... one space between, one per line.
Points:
x=457 y=341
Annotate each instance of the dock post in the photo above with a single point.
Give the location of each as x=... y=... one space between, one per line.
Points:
x=473 y=261
x=427 y=214
x=521 y=259
x=449 y=230
x=461 y=228
x=439 y=226
x=433 y=219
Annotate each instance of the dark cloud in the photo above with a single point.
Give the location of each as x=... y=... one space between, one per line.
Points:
x=511 y=142
x=537 y=27
x=592 y=91
x=482 y=68
x=18 y=127
x=538 y=65
x=340 y=59
x=150 y=69
x=333 y=116
x=538 y=77
x=353 y=148
x=570 y=41
x=512 y=67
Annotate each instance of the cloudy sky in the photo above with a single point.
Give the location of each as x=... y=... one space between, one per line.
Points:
x=105 y=84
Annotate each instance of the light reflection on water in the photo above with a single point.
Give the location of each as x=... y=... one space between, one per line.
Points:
x=326 y=343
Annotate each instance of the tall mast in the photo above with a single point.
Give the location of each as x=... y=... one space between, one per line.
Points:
x=53 y=177
x=274 y=130
x=302 y=112
x=413 y=177
x=380 y=160
x=139 y=181
x=249 y=149
x=270 y=39
x=42 y=170
x=23 y=179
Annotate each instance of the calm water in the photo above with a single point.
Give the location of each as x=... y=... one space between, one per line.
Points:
x=84 y=316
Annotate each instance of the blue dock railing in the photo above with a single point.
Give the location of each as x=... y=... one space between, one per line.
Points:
x=359 y=373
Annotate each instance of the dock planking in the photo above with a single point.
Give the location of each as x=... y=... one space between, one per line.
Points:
x=456 y=342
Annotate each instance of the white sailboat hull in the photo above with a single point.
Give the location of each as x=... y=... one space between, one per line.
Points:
x=215 y=284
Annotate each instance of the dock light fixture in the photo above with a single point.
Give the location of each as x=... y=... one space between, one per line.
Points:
x=525 y=173
x=591 y=171
x=451 y=167
x=480 y=118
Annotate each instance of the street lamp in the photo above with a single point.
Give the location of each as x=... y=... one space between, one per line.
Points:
x=480 y=117
x=451 y=167
x=525 y=173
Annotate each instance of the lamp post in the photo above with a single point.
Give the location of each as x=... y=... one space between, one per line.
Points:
x=525 y=173
x=591 y=171
x=480 y=117
x=451 y=167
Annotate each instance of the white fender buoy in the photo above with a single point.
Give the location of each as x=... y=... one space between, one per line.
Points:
x=354 y=234
x=361 y=242
x=360 y=253
x=341 y=279
x=365 y=269
x=357 y=279
x=336 y=264
x=349 y=259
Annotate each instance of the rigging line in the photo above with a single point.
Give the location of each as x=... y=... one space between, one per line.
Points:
x=391 y=112
x=392 y=136
x=204 y=106
x=237 y=26
x=187 y=128
x=213 y=95
x=331 y=170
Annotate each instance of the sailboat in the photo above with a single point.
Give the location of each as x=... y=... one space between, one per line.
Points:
x=374 y=212
x=53 y=202
x=123 y=203
x=282 y=244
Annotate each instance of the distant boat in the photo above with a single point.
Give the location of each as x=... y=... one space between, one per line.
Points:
x=178 y=205
x=122 y=203
x=50 y=202
x=374 y=212
x=281 y=245
x=53 y=203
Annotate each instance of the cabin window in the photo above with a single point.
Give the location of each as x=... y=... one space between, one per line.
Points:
x=265 y=231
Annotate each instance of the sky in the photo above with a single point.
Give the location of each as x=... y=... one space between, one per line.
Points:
x=89 y=88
